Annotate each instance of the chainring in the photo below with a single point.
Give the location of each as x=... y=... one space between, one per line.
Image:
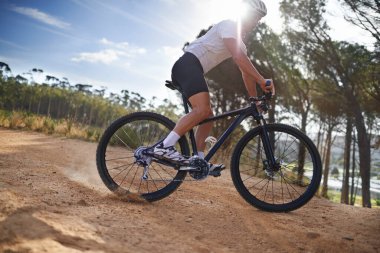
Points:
x=201 y=165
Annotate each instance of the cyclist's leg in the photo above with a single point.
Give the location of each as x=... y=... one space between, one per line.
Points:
x=202 y=133
x=188 y=73
x=201 y=110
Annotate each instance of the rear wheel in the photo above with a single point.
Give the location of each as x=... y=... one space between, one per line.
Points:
x=286 y=187
x=116 y=162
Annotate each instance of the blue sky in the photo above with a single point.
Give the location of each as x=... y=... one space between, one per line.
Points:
x=119 y=44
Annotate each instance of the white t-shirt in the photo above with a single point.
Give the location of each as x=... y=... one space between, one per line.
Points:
x=210 y=48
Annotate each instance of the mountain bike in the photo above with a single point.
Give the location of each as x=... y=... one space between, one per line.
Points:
x=274 y=167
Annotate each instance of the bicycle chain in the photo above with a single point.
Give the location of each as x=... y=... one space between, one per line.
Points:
x=176 y=180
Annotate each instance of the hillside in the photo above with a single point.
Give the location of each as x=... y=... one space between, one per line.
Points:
x=52 y=200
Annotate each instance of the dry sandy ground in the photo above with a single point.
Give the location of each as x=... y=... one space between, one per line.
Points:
x=52 y=200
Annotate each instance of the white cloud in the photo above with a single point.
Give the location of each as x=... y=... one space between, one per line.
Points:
x=104 y=56
x=106 y=42
x=114 y=52
x=124 y=47
x=41 y=16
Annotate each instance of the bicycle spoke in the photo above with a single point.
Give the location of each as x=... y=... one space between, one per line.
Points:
x=248 y=178
x=118 y=167
x=164 y=169
x=153 y=181
x=254 y=169
x=143 y=132
x=253 y=148
x=262 y=188
x=160 y=176
x=288 y=189
x=138 y=190
x=288 y=148
x=120 y=172
x=121 y=183
x=256 y=183
x=120 y=158
x=291 y=185
x=266 y=190
x=147 y=185
x=125 y=144
x=147 y=133
x=133 y=179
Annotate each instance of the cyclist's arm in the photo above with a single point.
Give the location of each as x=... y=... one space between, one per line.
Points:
x=250 y=74
x=250 y=84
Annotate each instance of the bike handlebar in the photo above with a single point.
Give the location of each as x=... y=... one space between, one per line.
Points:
x=265 y=97
x=259 y=99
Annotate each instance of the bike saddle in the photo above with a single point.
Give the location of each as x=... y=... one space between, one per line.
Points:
x=173 y=85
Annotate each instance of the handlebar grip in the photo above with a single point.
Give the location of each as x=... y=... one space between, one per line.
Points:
x=268 y=83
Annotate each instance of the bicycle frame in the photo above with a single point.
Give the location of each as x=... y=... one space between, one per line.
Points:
x=249 y=111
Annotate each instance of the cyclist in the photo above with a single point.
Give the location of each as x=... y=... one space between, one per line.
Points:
x=222 y=41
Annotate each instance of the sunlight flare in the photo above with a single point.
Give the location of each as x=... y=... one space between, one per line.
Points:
x=227 y=9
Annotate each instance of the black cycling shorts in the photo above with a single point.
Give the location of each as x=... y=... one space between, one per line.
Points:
x=187 y=72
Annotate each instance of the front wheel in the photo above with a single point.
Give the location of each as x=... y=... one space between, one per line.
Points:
x=117 y=165
x=288 y=185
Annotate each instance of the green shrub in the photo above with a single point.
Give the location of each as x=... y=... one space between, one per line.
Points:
x=29 y=122
x=38 y=124
x=49 y=125
x=69 y=125
x=16 y=120
x=66 y=127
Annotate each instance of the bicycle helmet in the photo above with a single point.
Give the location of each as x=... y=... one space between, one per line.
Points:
x=258 y=6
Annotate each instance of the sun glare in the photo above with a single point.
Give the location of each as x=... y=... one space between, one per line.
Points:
x=227 y=9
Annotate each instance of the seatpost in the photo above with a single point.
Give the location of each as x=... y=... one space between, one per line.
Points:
x=191 y=132
x=185 y=104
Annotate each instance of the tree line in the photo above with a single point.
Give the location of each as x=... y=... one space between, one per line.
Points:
x=58 y=98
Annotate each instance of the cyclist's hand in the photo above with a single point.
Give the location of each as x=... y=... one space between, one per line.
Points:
x=268 y=88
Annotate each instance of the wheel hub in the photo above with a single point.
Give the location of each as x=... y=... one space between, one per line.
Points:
x=270 y=169
x=141 y=158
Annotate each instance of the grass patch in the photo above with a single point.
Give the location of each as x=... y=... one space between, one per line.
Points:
x=47 y=125
x=334 y=196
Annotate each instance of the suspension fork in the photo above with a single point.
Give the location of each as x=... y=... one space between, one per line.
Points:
x=267 y=144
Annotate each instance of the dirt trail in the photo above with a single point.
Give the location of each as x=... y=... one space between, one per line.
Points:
x=52 y=200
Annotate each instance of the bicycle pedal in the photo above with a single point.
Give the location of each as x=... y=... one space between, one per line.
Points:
x=217 y=167
x=215 y=173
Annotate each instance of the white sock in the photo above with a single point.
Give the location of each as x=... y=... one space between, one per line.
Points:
x=171 y=139
x=201 y=155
